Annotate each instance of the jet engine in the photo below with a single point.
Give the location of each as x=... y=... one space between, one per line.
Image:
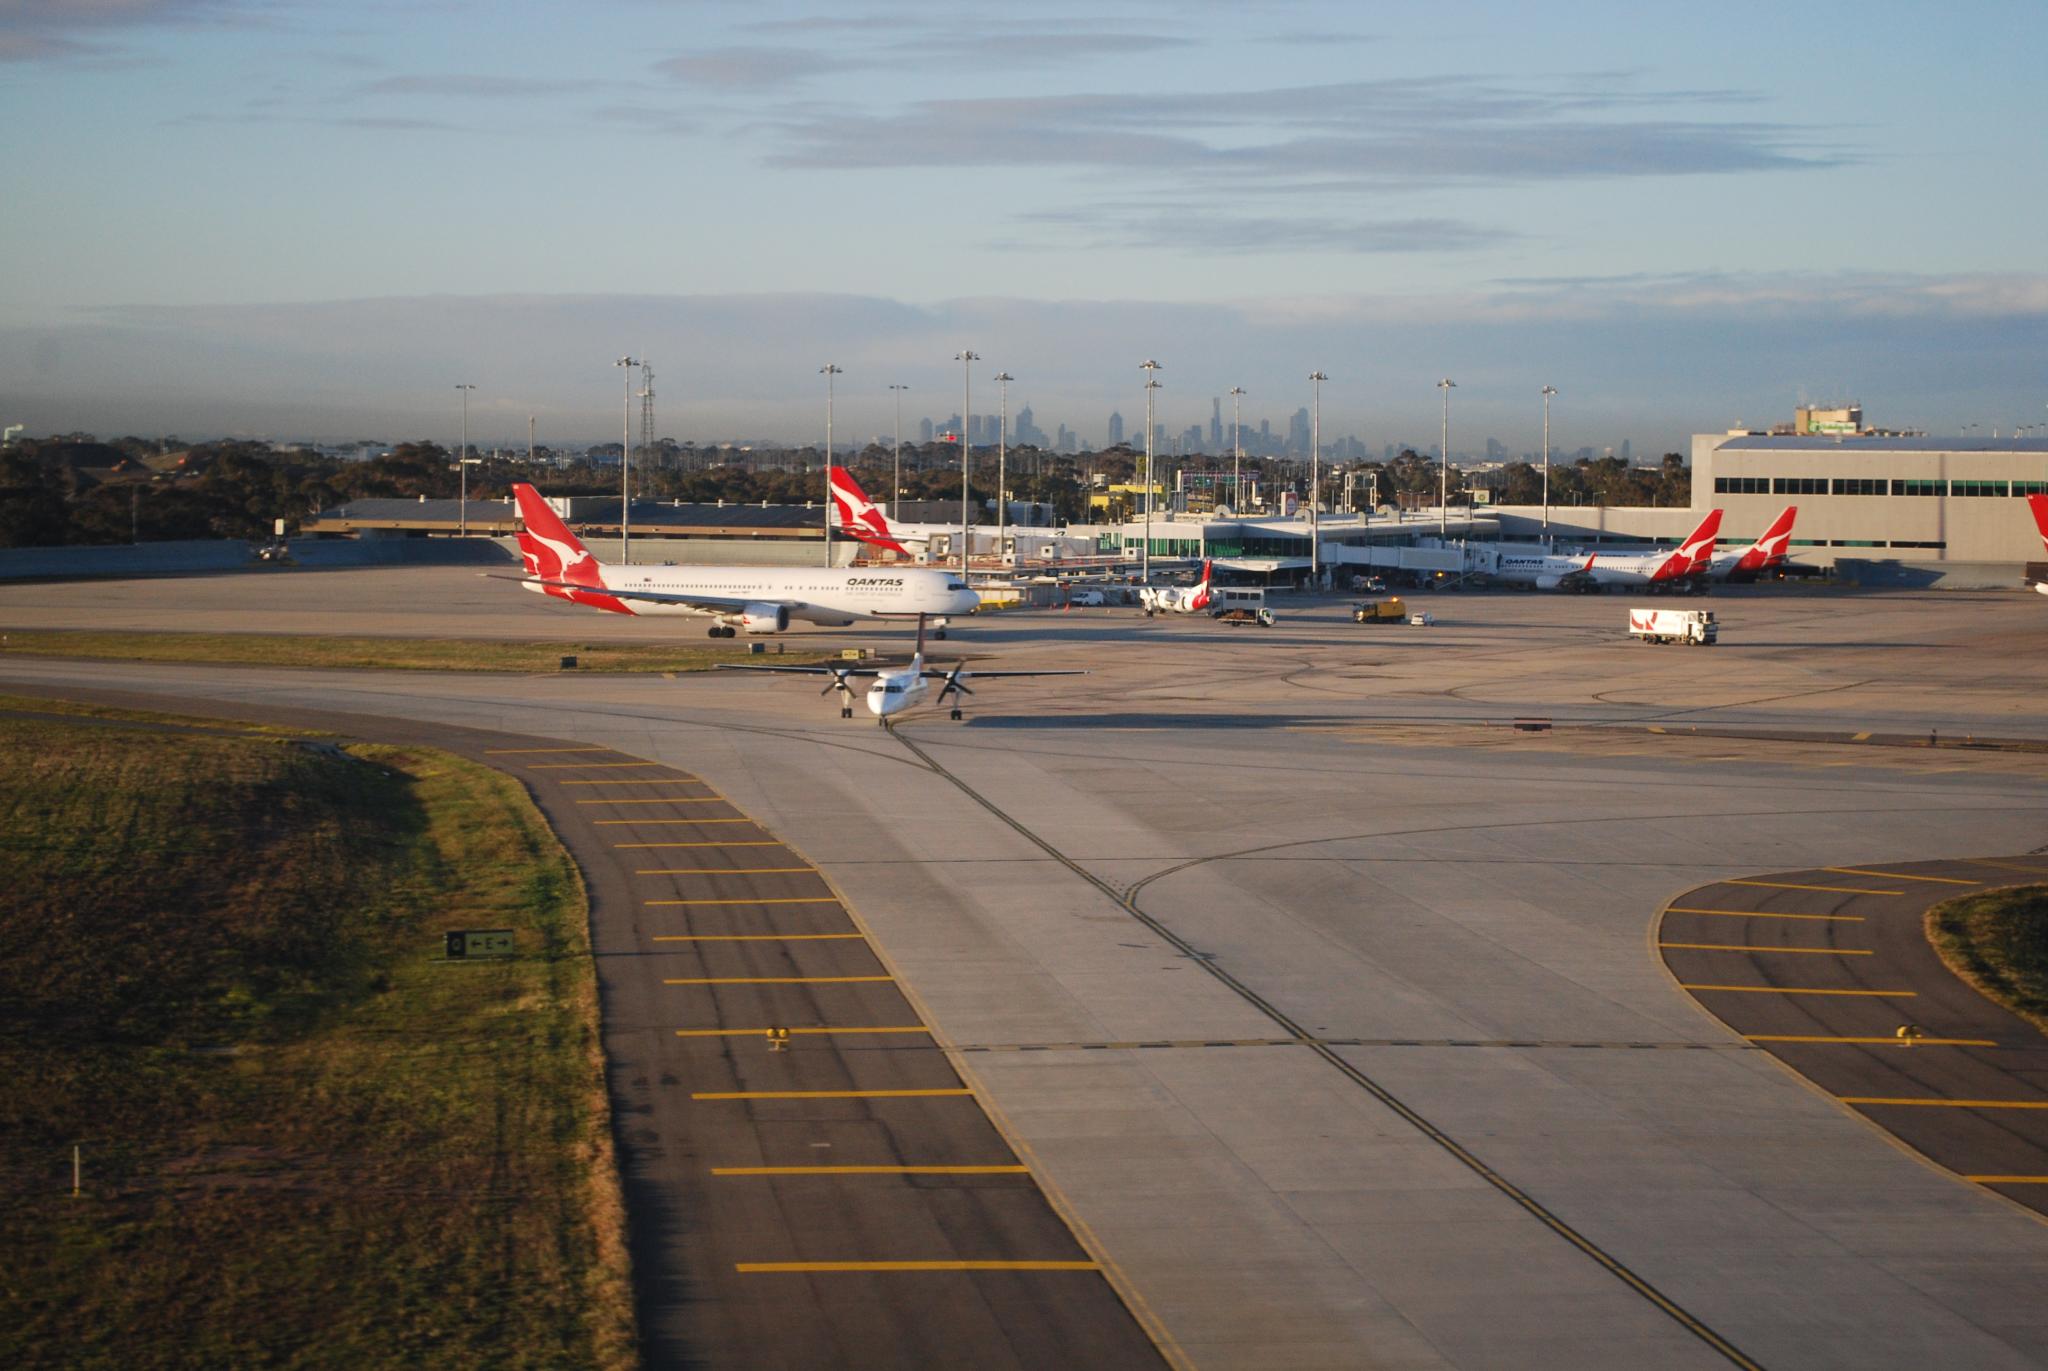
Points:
x=765 y=618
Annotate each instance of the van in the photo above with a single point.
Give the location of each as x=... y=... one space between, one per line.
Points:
x=1086 y=597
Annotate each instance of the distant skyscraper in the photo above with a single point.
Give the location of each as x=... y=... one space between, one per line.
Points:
x=1116 y=428
x=1191 y=441
x=1494 y=450
x=1625 y=456
x=1298 y=438
x=1216 y=424
x=1065 y=441
x=924 y=430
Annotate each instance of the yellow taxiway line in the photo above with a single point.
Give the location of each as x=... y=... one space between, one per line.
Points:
x=1831 y=889
x=1796 y=990
x=654 y=823
x=1898 y=876
x=743 y=842
x=1807 y=951
x=1762 y=914
x=652 y=780
x=591 y=766
x=2008 y=1180
x=661 y=800
x=518 y=751
x=729 y=871
x=754 y=937
x=783 y=899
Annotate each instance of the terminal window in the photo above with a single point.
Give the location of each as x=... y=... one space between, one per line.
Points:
x=1919 y=487
x=1977 y=488
x=2030 y=487
x=1799 y=485
x=1932 y=545
x=1861 y=486
x=1742 y=485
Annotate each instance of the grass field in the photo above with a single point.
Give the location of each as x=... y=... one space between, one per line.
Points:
x=381 y=654
x=1998 y=942
x=306 y=1143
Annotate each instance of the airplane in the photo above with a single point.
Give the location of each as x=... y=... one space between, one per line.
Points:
x=1178 y=599
x=896 y=688
x=1683 y=569
x=2039 y=505
x=856 y=516
x=757 y=599
x=1761 y=557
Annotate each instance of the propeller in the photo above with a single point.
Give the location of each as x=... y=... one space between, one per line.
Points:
x=953 y=683
x=838 y=683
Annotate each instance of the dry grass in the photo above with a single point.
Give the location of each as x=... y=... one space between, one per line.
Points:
x=1997 y=940
x=307 y=1143
x=378 y=654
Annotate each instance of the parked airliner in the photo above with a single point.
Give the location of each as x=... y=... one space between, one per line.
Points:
x=1761 y=557
x=1178 y=599
x=755 y=598
x=1682 y=569
x=2039 y=505
x=895 y=688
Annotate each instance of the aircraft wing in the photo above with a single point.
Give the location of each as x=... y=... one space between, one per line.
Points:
x=840 y=671
x=659 y=597
x=940 y=674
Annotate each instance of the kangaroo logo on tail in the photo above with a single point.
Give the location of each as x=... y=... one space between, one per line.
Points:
x=552 y=553
x=857 y=515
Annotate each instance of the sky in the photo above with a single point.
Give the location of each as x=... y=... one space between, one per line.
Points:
x=285 y=219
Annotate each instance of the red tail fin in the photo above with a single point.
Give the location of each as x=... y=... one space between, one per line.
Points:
x=1695 y=553
x=857 y=516
x=1200 y=599
x=2039 y=504
x=551 y=551
x=1769 y=550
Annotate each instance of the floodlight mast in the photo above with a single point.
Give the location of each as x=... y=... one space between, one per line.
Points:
x=828 y=371
x=626 y=365
x=1151 y=370
x=966 y=357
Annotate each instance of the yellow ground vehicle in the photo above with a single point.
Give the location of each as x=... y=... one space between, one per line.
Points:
x=1389 y=611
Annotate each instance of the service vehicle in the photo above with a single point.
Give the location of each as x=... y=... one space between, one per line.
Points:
x=1389 y=611
x=1690 y=626
x=1086 y=598
x=1245 y=615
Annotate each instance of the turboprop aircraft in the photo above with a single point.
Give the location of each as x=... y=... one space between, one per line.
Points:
x=895 y=688
x=758 y=599
x=1178 y=599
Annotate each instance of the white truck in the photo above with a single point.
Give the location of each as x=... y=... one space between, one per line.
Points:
x=1691 y=626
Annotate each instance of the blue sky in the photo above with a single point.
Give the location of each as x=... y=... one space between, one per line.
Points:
x=289 y=219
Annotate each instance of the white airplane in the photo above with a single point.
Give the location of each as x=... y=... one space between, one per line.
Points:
x=757 y=599
x=896 y=688
x=1178 y=599
x=1683 y=569
x=856 y=516
x=2039 y=505
x=1761 y=557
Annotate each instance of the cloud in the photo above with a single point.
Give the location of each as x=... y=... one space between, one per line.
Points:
x=1204 y=230
x=56 y=30
x=749 y=68
x=476 y=87
x=1363 y=134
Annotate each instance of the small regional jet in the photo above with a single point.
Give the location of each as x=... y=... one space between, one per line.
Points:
x=1682 y=569
x=2039 y=505
x=757 y=599
x=1761 y=557
x=1178 y=599
x=896 y=688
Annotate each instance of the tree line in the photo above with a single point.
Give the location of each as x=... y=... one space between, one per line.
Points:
x=76 y=489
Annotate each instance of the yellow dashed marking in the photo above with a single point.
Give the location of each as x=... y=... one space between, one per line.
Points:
x=518 y=751
x=801 y=1032
x=1762 y=914
x=828 y=1094
x=590 y=766
x=1947 y=1104
x=778 y=980
x=870 y=1171
x=729 y=871
x=797 y=1268
x=788 y=899
x=1898 y=876
x=1832 y=889
x=661 y=800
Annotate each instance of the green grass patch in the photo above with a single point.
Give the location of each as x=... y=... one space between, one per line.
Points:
x=381 y=654
x=306 y=1143
x=36 y=704
x=1998 y=941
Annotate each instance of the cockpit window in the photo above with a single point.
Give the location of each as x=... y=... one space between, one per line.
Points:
x=956 y=584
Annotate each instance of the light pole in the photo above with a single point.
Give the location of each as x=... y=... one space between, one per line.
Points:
x=896 y=484
x=1237 y=394
x=1315 y=479
x=1548 y=391
x=828 y=371
x=1151 y=370
x=1003 y=379
x=626 y=365
x=966 y=358
x=1443 y=466
x=462 y=464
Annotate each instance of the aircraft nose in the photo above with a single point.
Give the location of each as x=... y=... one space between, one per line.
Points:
x=964 y=602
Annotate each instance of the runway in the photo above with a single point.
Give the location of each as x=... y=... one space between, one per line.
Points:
x=1095 y=890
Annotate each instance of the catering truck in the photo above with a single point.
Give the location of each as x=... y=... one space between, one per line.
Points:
x=1693 y=626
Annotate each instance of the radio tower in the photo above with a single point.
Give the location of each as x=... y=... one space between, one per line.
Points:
x=646 y=414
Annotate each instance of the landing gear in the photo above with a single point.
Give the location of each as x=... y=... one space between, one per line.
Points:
x=940 y=634
x=720 y=631
x=845 y=709
x=956 y=713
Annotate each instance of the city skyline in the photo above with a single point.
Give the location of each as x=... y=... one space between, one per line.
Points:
x=267 y=217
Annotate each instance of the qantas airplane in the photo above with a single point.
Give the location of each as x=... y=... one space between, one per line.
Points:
x=2039 y=505
x=1178 y=599
x=859 y=517
x=896 y=688
x=1683 y=569
x=1761 y=557
x=757 y=599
